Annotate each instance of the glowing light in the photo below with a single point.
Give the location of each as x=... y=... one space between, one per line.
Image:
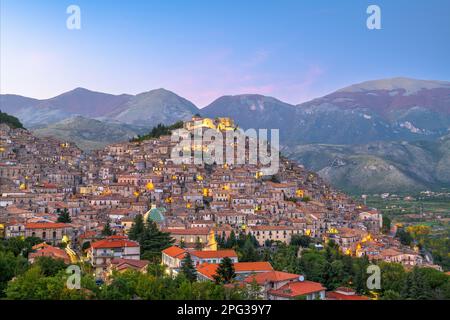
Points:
x=150 y=186
x=300 y=193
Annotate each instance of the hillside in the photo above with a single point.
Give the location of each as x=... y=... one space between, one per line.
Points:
x=153 y=107
x=89 y=134
x=11 y=121
x=381 y=166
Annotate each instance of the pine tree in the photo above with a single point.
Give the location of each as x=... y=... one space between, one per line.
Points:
x=137 y=229
x=249 y=252
x=231 y=241
x=64 y=216
x=153 y=241
x=188 y=269
x=225 y=272
x=107 y=231
x=198 y=244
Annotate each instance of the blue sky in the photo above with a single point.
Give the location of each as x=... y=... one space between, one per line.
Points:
x=290 y=49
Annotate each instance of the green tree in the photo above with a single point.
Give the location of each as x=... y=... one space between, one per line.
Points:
x=107 y=231
x=404 y=236
x=64 y=216
x=225 y=272
x=231 y=241
x=198 y=244
x=188 y=269
x=386 y=228
x=10 y=266
x=300 y=240
x=248 y=251
x=50 y=266
x=137 y=229
x=153 y=241
x=34 y=285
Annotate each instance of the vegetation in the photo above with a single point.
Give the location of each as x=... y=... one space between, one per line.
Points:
x=64 y=216
x=151 y=239
x=107 y=231
x=188 y=269
x=225 y=272
x=158 y=131
x=12 y=121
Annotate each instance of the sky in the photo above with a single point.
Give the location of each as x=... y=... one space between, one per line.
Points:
x=293 y=50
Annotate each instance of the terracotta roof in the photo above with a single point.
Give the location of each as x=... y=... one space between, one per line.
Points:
x=274 y=276
x=52 y=252
x=209 y=269
x=333 y=295
x=191 y=231
x=174 y=252
x=214 y=254
x=298 y=288
x=114 y=242
x=46 y=225
x=121 y=264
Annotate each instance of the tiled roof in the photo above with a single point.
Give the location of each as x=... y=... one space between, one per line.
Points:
x=114 y=242
x=298 y=288
x=214 y=254
x=46 y=225
x=340 y=296
x=174 y=252
x=274 y=276
x=209 y=269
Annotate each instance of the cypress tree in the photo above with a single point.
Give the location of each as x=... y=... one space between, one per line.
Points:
x=225 y=272
x=188 y=269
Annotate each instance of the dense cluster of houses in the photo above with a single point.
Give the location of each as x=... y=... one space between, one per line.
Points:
x=41 y=178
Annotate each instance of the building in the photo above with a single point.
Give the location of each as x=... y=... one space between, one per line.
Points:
x=207 y=271
x=49 y=231
x=343 y=293
x=103 y=251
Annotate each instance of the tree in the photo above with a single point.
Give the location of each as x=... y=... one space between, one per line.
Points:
x=34 y=285
x=64 y=216
x=188 y=269
x=10 y=266
x=404 y=237
x=225 y=272
x=153 y=241
x=49 y=266
x=231 y=241
x=107 y=231
x=248 y=251
x=300 y=240
x=137 y=229
x=198 y=244
x=386 y=228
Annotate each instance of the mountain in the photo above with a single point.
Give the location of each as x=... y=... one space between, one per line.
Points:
x=145 y=109
x=85 y=102
x=388 y=109
x=253 y=111
x=153 y=107
x=380 y=110
x=379 y=166
x=35 y=113
x=89 y=134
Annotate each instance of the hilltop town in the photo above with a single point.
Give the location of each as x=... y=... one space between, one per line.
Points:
x=83 y=206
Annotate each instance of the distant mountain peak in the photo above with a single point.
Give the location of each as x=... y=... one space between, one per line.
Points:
x=410 y=85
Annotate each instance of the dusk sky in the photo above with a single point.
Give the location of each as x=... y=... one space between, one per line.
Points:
x=292 y=50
